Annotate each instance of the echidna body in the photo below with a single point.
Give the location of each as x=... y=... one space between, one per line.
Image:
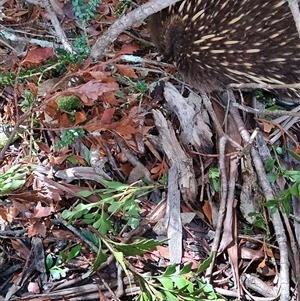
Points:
x=218 y=42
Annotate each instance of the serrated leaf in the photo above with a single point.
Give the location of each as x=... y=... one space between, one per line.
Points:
x=90 y=236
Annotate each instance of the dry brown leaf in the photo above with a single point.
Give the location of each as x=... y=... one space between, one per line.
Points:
x=38 y=55
x=41 y=211
x=80 y=117
x=110 y=98
x=207 y=211
x=37 y=228
x=126 y=70
x=90 y=91
x=107 y=115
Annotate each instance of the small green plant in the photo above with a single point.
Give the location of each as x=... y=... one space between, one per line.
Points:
x=274 y=172
x=28 y=101
x=123 y=5
x=135 y=87
x=173 y=284
x=265 y=98
x=81 y=48
x=141 y=86
x=84 y=11
x=8 y=79
x=68 y=136
x=214 y=176
x=120 y=198
x=68 y=103
x=12 y=179
x=57 y=267
x=259 y=221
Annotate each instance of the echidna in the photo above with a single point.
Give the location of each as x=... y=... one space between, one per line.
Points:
x=218 y=42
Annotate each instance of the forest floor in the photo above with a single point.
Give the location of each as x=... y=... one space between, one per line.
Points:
x=120 y=182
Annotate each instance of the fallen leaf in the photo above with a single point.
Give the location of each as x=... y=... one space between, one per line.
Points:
x=37 y=228
x=38 y=55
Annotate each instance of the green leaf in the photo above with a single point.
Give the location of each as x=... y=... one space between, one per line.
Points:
x=113 y=185
x=272 y=177
x=170 y=296
x=292 y=175
x=74 y=252
x=73 y=160
x=269 y=165
x=55 y=274
x=138 y=247
x=103 y=224
x=13 y=170
x=6 y=188
x=87 y=155
x=166 y=282
x=88 y=221
x=286 y=205
x=144 y=296
x=120 y=259
x=16 y=184
x=66 y=214
x=101 y=257
x=186 y=269
x=171 y=269
x=273 y=210
x=294 y=155
x=85 y=193
x=279 y=150
x=133 y=222
x=271 y=203
x=183 y=283
x=49 y=261
x=206 y=263
x=294 y=190
x=90 y=236
x=115 y=206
